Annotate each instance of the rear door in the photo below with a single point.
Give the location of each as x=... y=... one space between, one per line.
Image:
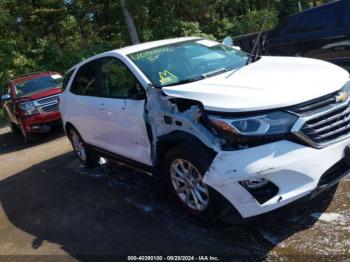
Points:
x=119 y=112
x=83 y=93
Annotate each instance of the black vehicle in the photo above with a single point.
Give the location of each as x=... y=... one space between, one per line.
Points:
x=322 y=32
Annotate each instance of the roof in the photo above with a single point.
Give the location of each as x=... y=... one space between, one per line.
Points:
x=136 y=48
x=148 y=45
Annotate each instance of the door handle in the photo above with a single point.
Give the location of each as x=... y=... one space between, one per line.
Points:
x=101 y=106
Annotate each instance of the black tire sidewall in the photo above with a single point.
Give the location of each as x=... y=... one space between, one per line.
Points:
x=201 y=159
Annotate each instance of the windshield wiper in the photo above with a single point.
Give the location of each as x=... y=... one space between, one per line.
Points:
x=214 y=72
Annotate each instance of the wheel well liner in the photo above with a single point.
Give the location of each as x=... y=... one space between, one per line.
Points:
x=174 y=138
x=67 y=126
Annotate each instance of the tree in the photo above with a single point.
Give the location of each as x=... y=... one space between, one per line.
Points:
x=129 y=23
x=56 y=34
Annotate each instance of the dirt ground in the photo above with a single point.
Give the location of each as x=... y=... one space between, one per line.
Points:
x=51 y=205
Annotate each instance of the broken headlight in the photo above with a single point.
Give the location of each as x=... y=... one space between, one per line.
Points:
x=274 y=123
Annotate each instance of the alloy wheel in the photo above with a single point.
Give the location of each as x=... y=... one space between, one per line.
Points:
x=188 y=185
x=78 y=146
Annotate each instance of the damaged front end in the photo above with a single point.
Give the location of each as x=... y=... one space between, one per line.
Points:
x=255 y=173
x=166 y=115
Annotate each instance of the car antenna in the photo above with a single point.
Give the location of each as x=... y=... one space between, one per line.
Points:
x=255 y=50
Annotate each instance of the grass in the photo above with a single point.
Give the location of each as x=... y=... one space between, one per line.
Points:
x=2 y=118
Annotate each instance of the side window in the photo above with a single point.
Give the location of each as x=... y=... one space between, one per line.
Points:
x=85 y=83
x=324 y=18
x=116 y=79
x=66 y=78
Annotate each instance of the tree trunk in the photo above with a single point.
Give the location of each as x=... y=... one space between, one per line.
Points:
x=129 y=21
x=83 y=33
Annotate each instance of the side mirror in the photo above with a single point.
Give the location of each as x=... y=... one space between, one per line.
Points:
x=228 y=40
x=5 y=97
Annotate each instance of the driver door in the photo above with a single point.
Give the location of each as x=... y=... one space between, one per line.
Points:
x=119 y=111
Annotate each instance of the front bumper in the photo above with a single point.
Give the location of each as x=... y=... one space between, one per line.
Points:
x=40 y=123
x=294 y=168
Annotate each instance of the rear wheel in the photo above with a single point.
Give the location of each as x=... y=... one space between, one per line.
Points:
x=184 y=167
x=84 y=154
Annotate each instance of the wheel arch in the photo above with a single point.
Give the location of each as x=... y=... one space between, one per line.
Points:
x=174 y=138
x=67 y=126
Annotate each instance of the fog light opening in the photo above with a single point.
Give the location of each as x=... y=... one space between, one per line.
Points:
x=254 y=183
x=261 y=189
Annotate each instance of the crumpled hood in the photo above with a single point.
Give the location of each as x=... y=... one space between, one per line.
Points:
x=270 y=82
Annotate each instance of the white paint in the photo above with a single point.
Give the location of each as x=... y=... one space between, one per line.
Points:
x=294 y=168
x=271 y=82
x=117 y=125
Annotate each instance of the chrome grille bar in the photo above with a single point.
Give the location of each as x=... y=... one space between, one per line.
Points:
x=347 y=128
x=335 y=124
x=329 y=119
x=47 y=104
x=326 y=123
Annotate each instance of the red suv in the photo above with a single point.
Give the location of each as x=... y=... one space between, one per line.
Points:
x=30 y=103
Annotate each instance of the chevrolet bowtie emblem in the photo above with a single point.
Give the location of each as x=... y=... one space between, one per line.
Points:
x=342 y=96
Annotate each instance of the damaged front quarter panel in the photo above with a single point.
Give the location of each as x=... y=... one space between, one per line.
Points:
x=163 y=116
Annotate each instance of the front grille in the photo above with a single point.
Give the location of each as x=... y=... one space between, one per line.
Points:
x=50 y=108
x=324 y=120
x=47 y=100
x=47 y=104
x=313 y=106
x=328 y=127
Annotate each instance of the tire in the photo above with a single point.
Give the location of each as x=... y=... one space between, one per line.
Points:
x=86 y=156
x=15 y=130
x=29 y=138
x=209 y=204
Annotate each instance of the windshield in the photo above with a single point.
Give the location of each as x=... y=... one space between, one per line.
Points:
x=187 y=61
x=37 y=84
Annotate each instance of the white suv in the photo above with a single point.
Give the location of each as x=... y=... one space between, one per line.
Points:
x=221 y=132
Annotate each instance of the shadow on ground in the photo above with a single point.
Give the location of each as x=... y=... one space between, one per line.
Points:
x=12 y=143
x=112 y=210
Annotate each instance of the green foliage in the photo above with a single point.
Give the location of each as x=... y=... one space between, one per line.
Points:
x=56 y=34
x=2 y=117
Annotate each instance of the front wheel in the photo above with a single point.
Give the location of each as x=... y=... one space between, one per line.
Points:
x=184 y=168
x=85 y=155
x=15 y=130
